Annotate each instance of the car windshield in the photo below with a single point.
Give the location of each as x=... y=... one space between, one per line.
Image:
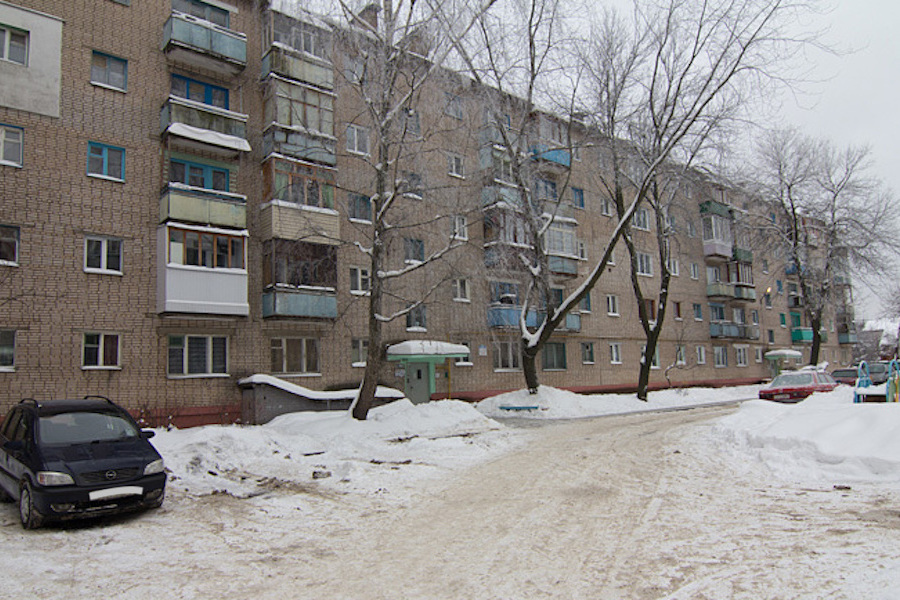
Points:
x=84 y=427
x=878 y=368
x=844 y=373
x=792 y=379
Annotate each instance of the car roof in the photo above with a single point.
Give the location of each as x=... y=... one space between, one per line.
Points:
x=87 y=404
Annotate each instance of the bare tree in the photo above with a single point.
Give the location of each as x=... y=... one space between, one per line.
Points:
x=830 y=215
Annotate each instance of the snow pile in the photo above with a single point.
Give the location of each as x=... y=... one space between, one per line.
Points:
x=247 y=461
x=552 y=403
x=825 y=438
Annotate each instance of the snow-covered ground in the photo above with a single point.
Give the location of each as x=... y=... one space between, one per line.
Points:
x=294 y=469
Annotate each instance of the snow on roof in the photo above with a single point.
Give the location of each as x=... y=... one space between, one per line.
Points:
x=427 y=348
x=380 y=392
x=208 y=137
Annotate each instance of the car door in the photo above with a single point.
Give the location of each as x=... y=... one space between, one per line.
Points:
x=8 y=481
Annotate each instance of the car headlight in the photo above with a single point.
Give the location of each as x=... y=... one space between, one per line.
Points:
x=157 y=466
x=54 y=478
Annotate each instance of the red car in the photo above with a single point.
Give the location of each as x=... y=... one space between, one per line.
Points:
x=794 y=386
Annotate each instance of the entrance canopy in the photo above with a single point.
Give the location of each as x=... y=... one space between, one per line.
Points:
x=783 y=353
x=426 y=351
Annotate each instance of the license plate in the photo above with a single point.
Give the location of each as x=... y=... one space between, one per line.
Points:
x=781 y=396
x=116 y=492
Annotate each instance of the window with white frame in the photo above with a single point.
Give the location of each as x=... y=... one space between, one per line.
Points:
x=654 y=359
x=581 y=249
x=740 y=355
x=197 y=355
x=561 y=239
x=461 y=290
x=360 y=281
x=100 y=351
x=9 y=245
x=720 y=356
x=459 y=227
x=691 y=229
x=109 y=71
x=553 y=356
x=674 y=267
x=502 y=167
x=641 y=218
x=413 y=250
x=606 y=207
x=701 y=355
x=759 y=354
x=644 y=264
x=612 y=305
x=359 y=351
x=716 y=312
x=298 y=355
x=507 y=355
x=695 y=271
x=698 y=312
x=13 y=45
x=11 y=145
x=456 y=165
x=302 y=36
x=465 y=361
x=679 y=355
x=615 y=353
x=416 y=319
x=102 y=254
x=357 y=140
x=587 y=353
x=7 y=349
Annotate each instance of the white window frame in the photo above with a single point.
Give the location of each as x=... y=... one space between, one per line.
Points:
x=644 y=264
x=615 y=353
x=701 y=355
x=103 y=340
x=461 y=290
x=587 y=353
x=456 y=165
x=360 y=281
x=674 y=267
x=7 y=41
x=507 y=356
x=307 y=361
x=211 y=369
x=357 y=139
x=460 y=227
x=680 y=355
x=105 y=243
x=417 y=319
x=612 y=305
x=697 y=308
x=606 y=205
x=720 y=357
x=359 y=350
x=741 y=356
x=695 y=271
x=12 y=140
x=641 y=219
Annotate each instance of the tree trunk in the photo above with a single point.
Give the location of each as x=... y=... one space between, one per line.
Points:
x=529 y=368
x=816 y=342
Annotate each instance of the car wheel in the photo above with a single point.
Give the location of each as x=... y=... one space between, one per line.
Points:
x=28 y=514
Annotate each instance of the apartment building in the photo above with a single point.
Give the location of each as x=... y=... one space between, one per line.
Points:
x=187 y=189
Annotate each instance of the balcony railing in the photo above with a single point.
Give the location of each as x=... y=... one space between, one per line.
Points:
x=556 y=156
x=743 y=255
x=279 y=219
x=562 y=265
x=720 y=290
x=718 y=249
x=848 y=338
x=194 y=205
x=740 y=331
x=206 y=126
x=299 y=144
x=743 y=292
x=199 y=43
x=508 y=316
x=802 y=334
x=309 y=303
x=302 y=67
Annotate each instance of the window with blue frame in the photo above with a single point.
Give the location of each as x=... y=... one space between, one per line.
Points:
x=198 y=175
x=198 y=91
x=577 y=197
x=202 y=10
x=504 y=293
x=109 y=71
x=106 y=161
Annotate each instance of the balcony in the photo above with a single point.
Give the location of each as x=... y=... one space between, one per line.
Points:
x=301 y=144
x=194 y=126
x=802 y=335
x=558 y=157
x=724 y=330
x=794 y=301
x=743 y=255
x=562 y=265
x=280 y=219
x=207 y=207
x=193 y=42
x=500 y=194
x=744 y=292
x=720 y=290
x=314 y=303
x=508 y=316
x=492 y=134
x=848 y=338
x=718 y=249
x=300 y=66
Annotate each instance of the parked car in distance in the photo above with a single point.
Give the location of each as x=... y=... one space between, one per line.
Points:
x=794 y=386
x=65 y=459
x=847 y=375
x=878 y=371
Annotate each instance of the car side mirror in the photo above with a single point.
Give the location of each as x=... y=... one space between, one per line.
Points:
x=147 y=433
x=16 y=446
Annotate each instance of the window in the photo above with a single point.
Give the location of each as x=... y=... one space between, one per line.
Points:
x=454 y=106
x=720 y=356
x=779 y=286
x=411 y=184
x=754 y=316
x=676 y=308
x=644 y=264
x=771 y=336
x=654 y=360
x=740 y=356
x=359 y=208
x=502 y=168
x=357 y=140
x=302 y=36
x=100 y=350
x=456 y=165
x=783 y=319
x=302 y=106
x=204 y=11
x=713 y=275
x=413 y=250
x=461 y=290
x=581 y=249
x=739 y=315
x=698 y=312
x=765 y=265
x=641 y=219
x=606 y=207
x=615 y=353
x=701 y=355
x=577 y=197
x=11 y=144
x=412 y=125
x=650 y=309
x=9 y=245
x=360 y=281
x=554 y=356
x=612 y=305
x=198 y=175
x=106 y=161
x=359 y=350
x=197 y=355
x=109 y=71
x=691 y=229
x=560 y=239
x=198 y=91
x=695 y=271
x=295 y=263
x=205 y=249
x=13 y=45
x=585 y=305
x=465 y=361
x=767 y=299
x=587 y=353
x=459 y=227
x=716 y=312
x=504 y=293
x=674 y=267
x=507 y=356
x=416 y=318
x=295 y=355
x=679 y=355
x=545 y=190
x=7 y=349
x=759 y=354
x=302 y=184
x=102 y=254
